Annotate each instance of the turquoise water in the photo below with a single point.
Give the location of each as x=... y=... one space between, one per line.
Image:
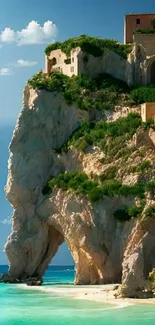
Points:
x=19 y=306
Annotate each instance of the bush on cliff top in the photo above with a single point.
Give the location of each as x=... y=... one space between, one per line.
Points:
x=143 y=94
x=99 y=93
x=90 y=45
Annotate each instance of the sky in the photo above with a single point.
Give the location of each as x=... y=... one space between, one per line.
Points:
x=26 y=27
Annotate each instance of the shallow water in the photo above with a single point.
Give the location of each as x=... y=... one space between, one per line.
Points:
x=33 y=307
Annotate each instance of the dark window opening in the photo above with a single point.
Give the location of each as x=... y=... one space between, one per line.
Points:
x=138 y=21
x=67 y=61
x=53 y=61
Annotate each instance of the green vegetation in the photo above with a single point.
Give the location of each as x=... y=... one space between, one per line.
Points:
x=150 y=211
x=110 y=137
x=109 y=173
x=144 y=31
x=81 y=184
x=144 y=165
x=127 y=213
x=150 y=187
x=143 y=94
x=153 y=23
x=90 y=45
x=101 y=93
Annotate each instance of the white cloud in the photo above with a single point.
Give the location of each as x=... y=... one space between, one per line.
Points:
x=6 y=221
x=25 y=63
x=8 y=35
x=5 y=72
x=34 y=33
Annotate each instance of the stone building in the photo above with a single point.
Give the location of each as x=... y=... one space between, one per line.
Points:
x=57 y=60
x=137 y=69
x=148 y=111
x=136 y=21
x=80 y=62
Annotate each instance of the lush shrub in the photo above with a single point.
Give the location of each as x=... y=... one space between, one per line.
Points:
x=90 y=45
x=117 y=133
x=141 y=167
x=135 y=211
x=109 y=173
x=144 y=31
x=101 y=93
x=150 y=187
x=143 y=94
x=150 y=211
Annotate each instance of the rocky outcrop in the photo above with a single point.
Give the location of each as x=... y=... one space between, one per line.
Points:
x=139 y=259
x=104 y=250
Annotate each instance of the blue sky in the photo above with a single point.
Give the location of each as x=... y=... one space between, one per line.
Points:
x=22 y=43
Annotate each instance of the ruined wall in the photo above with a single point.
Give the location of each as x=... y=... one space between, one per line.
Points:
x=147 y=41
x=61 y=64
x=109 y=62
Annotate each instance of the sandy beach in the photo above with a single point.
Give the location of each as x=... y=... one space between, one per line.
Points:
x=101 y=293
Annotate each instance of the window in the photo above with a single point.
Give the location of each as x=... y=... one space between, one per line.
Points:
x=67 y=61
x=72 y=69
x=72 y=59
x=138 y=21
x=53 y=61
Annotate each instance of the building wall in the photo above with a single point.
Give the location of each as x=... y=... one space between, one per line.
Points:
x=132 y=23
x=147 y=111
x=61 y=65
x=147 y=41
x=143 y=112
x=109 y=62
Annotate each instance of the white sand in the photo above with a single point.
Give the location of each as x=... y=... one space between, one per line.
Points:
x=101 y=293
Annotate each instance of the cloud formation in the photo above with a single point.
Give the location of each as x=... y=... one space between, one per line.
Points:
x=33 y=33
x=6 y=221
x=5 y=72
x=25 y=63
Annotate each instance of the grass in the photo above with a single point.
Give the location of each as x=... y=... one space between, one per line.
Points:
x=90 y=45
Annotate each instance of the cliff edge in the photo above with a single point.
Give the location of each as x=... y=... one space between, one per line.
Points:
x=68 y=194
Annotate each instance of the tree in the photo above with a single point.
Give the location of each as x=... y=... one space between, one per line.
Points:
x=153 y=23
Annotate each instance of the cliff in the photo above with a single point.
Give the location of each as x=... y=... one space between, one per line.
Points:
x=106 y=246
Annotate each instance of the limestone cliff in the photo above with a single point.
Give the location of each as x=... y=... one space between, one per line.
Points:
x=104 y=249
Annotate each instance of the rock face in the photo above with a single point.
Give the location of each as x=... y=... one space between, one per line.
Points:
x=104 y=250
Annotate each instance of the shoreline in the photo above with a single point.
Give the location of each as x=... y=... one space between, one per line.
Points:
x=100 y=293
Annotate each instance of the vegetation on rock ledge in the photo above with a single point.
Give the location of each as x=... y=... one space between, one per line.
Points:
x=100 y=93
x=110 y=137
x=90 y=45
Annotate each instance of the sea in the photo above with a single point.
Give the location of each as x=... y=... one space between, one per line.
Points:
x=20 y=306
